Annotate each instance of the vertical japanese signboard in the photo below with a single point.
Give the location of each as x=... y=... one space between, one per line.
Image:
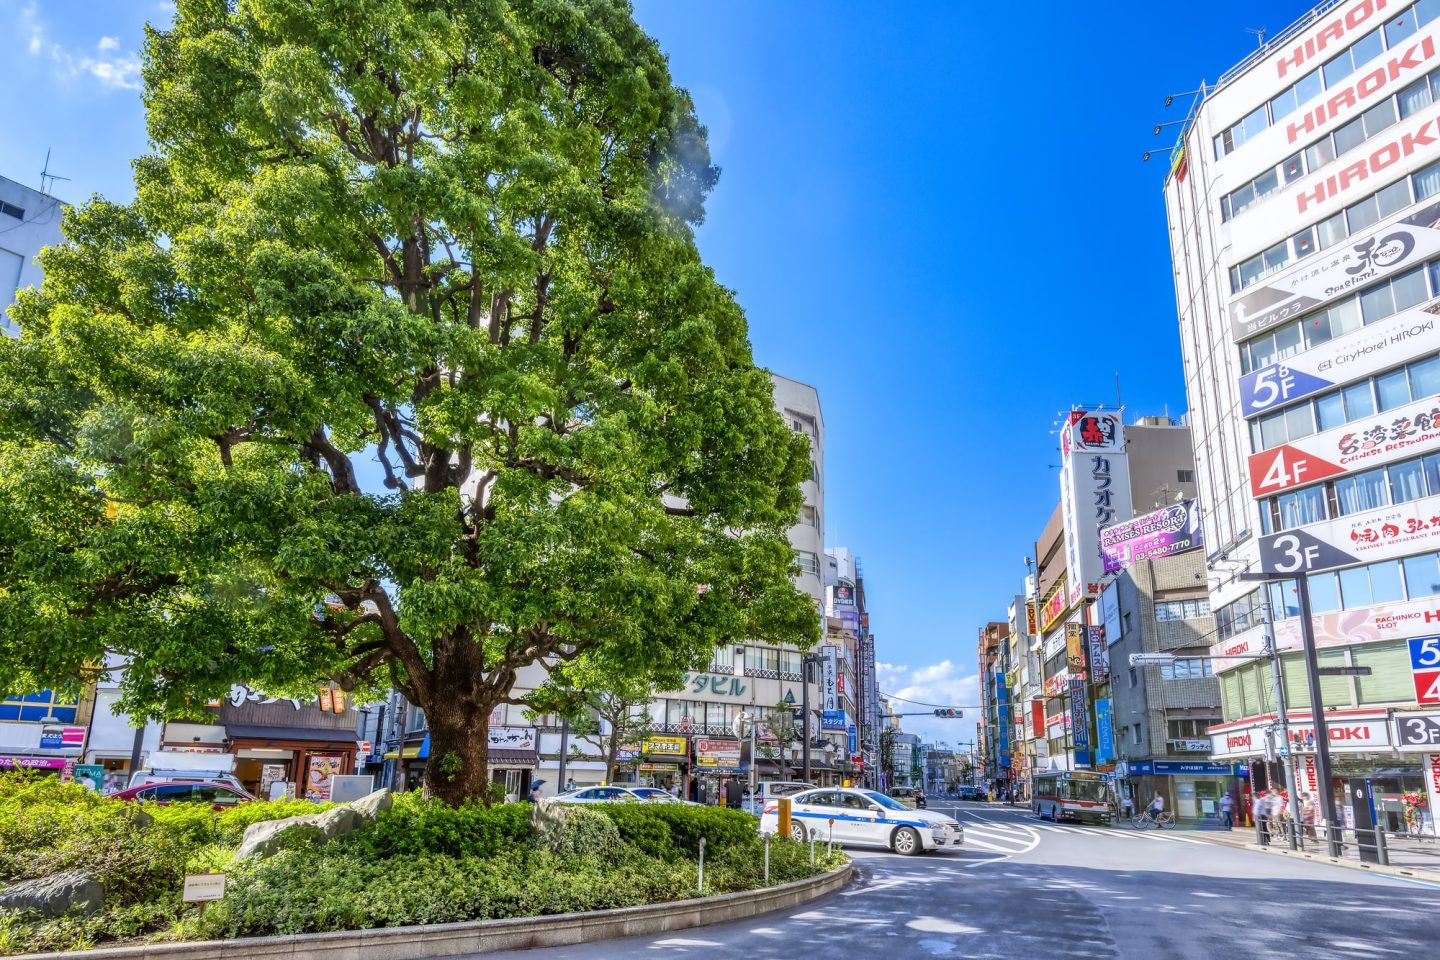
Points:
x=1104 y=734
x=1094 y=491
x=1079 y=716
x=1099 y=655
x=1075 y=648
x=830 y=673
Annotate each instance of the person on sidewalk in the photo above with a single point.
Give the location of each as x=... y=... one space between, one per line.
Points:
x=1227 y=811
x=1262 y=816
x=1308 y=808
x=1127 y=806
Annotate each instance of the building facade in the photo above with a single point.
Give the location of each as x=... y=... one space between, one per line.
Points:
x=29 y=222
x=1303 y=200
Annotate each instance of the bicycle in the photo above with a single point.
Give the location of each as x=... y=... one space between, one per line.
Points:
x=1144 y=821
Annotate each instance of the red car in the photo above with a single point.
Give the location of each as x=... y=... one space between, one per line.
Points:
x=219 y=795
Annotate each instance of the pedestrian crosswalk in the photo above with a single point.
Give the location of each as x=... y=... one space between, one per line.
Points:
x=1122 y=832
x=986 y=828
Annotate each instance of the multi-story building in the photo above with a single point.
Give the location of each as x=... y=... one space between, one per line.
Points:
x=992 y=657
x=1303 y=200
x=29 y=221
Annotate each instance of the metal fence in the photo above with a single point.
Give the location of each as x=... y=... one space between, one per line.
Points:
x=1375 y=845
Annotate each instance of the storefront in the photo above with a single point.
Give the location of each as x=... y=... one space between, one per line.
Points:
x=1192 y=788
x=288 y=747
x=666 y=761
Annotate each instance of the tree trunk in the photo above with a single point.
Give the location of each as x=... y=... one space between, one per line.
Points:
x=459 y=766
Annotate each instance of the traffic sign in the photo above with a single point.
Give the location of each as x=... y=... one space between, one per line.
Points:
x=1296 y=551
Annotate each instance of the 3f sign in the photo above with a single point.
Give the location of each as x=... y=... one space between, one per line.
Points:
x=1299 y=552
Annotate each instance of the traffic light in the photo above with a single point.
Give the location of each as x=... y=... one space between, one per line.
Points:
x=948 y=713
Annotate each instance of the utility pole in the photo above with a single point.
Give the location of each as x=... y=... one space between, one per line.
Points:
x=1282 y=710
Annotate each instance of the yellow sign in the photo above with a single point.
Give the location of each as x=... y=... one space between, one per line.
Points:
x=664 y=746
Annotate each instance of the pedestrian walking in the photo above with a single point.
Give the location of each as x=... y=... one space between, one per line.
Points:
x=1308 y=809
x=569 y=784
x=1127 y=807
x=535 y=791
x=1262 y=816
x=1227 y=810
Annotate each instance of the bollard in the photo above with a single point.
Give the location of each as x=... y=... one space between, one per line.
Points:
x=812 y=849
x=1381 y=852
x=701 y=885
x=767 y=859
x=830 y=844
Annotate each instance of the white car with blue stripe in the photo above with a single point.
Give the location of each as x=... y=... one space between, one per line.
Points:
x=851 y=816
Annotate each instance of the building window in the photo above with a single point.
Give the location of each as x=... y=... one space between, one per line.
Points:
x=1182 y=609
x=809 y=518
x=808 y=562
x=1189 y=729
x=1328 y=411
x=1184 y=476
x=1189 y=668
x=1134 y=681
x=10 y=210
x=1135 y=733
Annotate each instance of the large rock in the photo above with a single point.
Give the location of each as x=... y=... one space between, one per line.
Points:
x=374 y=804
x=269 y=837
x=336 y=822
x=55 y=895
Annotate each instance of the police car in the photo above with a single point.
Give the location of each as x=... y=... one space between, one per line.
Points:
x=863 y=817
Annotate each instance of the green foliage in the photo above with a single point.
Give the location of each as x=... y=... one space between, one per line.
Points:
x=580 y=831
x=415 y=826
x=674 y=830
x=456 y=237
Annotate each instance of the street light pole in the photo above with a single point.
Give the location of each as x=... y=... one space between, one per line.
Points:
x=1317 y=715
x=1283 y=709
x=805 y=662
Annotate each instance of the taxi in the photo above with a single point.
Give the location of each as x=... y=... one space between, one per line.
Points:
x=863 y=817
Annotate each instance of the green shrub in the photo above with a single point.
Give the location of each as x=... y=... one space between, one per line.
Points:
x=583 y=832
x=641 y=824
x=416 y=826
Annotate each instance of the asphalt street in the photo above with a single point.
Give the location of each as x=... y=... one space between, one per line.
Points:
x=1025 y=888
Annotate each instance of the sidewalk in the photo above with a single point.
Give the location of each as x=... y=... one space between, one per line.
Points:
x=1411 y=859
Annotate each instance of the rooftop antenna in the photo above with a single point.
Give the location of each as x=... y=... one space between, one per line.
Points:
x=45 y=174
x=1259 y=33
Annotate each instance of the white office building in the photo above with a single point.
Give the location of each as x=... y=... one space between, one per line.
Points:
x=29 y=221
x=1304 y=208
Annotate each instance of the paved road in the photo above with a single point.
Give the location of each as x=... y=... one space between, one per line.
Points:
x=1026 y=888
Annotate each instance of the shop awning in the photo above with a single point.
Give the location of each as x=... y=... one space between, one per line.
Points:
x=514 y=758
x=246 y=731
x=409 y=753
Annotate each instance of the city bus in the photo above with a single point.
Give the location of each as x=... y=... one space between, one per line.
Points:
x=1072 y=795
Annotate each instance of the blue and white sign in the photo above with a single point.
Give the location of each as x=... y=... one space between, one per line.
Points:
x=854 y=739
x=51 y=741
x=1358 y=354
x=1079 y=716
x=1425 y=653
x=1104 y=735
x=1181 y=768
x=832 y=720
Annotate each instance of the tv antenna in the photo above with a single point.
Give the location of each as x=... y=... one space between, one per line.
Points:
x=45 y=174
x=1259 y=34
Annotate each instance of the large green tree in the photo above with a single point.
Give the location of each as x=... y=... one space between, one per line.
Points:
x=443 y=244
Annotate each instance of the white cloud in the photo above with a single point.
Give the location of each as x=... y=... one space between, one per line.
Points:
x=120 y=71
x=945 y=684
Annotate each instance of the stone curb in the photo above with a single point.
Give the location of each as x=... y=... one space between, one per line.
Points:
x=1406 y=873
x=485 y=936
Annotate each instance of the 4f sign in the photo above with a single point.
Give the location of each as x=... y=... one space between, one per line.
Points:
x=1425 y=668
x=1296 y=551
x=1284 y=467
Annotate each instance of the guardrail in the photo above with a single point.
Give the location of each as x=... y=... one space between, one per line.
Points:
x=1375 y=845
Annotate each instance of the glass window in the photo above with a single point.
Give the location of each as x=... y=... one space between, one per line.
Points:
x=1330 y=409
x=1355 y=587
x=1345 y=317
x=1379 y=117
x=1377 y=303
x=1359 y=402
x=1253 y=124
x=1422 y=575
x=1407 y=482
x=1324 y=593
x=1319 y=153
x=1242 y=198
x=1317 y=329
x=1432 y=472
x=1283 y=104
x=1250 y=271
x=1299 y=421
x=1367 y=48
x=1267 y=183
x=1425 y=11
x=1385 y=581
x=1262 y=351
x=1222 y=145
x=1287 y=340
x=1409 y=289
x=1362 y=491
x=1337 y=69
x=1399 y=28
x=1350 y=136
x=1425 y=378
x=1393 y=389
x=1427 y=181
x=1300 y=507
x=1415 y=97
x=1276 y=257
x=1307 y=86
x=1330 y=231
x=1272 y=431
x=1393 y=198
x=1304 y=242
x=1292 y=169
x=1284 y=600
x=1363 y=214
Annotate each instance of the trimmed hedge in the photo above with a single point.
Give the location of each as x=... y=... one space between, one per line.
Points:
x=416 y=826
x=670 y=830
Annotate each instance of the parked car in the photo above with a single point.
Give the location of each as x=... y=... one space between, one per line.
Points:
x=767 y=790
x=969 y=792
x=221 y=796
x=142 y=777
x=609 y=795
x=656 y=795
x=850 y=815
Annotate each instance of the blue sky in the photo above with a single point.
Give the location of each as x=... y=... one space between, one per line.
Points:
x=935 y=212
